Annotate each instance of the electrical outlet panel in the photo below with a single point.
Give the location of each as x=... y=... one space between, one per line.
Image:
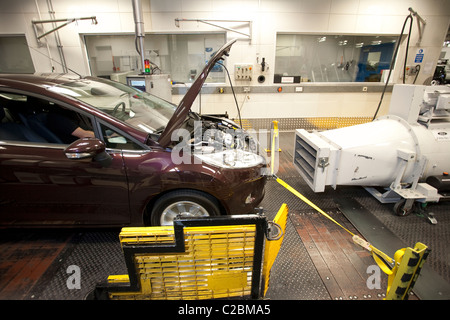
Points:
x=412 y=70
x=243 y=72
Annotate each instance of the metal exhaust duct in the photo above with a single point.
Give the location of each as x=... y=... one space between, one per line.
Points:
x=398 y=151
x=139 y=30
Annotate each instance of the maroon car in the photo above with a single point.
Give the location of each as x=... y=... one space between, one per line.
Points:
x=89 y=151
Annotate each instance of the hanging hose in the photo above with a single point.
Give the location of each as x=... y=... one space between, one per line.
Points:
x=234 y=95
x=417 y=73
x=409 y=17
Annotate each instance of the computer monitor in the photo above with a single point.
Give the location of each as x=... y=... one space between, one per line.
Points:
x=136 y=82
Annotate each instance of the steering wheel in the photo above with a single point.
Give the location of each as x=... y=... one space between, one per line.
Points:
x=117 y=108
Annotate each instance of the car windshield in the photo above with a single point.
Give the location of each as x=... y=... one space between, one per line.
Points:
x=139 y=109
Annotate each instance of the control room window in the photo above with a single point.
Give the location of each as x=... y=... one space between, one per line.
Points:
x=332 y=58
x=182 y=56
x=15 y=55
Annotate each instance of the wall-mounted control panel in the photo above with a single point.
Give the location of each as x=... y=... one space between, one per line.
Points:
x=243 y=72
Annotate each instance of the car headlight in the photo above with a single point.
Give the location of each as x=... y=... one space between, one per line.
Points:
x=231 y=159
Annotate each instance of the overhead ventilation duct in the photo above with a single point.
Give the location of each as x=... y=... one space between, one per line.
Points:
x=139 y=30
x=398 y=151
x=157 y=84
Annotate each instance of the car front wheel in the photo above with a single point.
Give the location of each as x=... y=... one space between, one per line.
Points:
x=186 y=203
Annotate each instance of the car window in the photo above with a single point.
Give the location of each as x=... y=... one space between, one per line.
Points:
x=32 y=119
x=115 y=140
x=139 y=109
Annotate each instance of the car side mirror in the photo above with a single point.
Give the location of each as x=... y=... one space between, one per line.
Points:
x=86 y=148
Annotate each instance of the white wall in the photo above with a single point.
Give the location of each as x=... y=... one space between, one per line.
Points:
x=268 y=17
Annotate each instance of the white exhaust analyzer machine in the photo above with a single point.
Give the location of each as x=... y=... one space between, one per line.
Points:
x=407 y=151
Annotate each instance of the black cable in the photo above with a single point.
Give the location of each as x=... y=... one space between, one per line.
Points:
x=234 y=95
x=136 y=45
x=71 y=70
x=393 y=61
x=407 y=44
x=417 y=73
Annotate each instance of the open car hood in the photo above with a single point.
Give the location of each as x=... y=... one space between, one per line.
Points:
x=185 y=105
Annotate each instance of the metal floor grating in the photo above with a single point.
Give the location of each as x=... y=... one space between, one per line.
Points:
x=310 y=123
x=293 y=276
x=97 y=253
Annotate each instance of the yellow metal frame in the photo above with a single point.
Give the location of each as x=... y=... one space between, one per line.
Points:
x=273 y=247
x=408 y=264
x=216 y=264
x=213 y=261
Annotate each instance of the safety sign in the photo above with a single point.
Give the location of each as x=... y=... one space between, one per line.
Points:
x=419 y=56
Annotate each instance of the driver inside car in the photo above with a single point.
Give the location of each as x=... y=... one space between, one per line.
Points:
x=67 y=127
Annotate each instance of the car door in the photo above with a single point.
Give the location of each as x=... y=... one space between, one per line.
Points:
x=40 y=184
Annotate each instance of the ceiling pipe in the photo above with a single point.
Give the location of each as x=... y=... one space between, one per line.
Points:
x=139 y=30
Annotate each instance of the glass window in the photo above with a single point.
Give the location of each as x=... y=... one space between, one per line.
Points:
x=181 y=56
x=115 y=140
x=28 y=118
x=144 y=111
x=332 y=58
x=15 y=55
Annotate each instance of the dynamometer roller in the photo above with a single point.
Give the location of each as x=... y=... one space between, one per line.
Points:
x=405 y=153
